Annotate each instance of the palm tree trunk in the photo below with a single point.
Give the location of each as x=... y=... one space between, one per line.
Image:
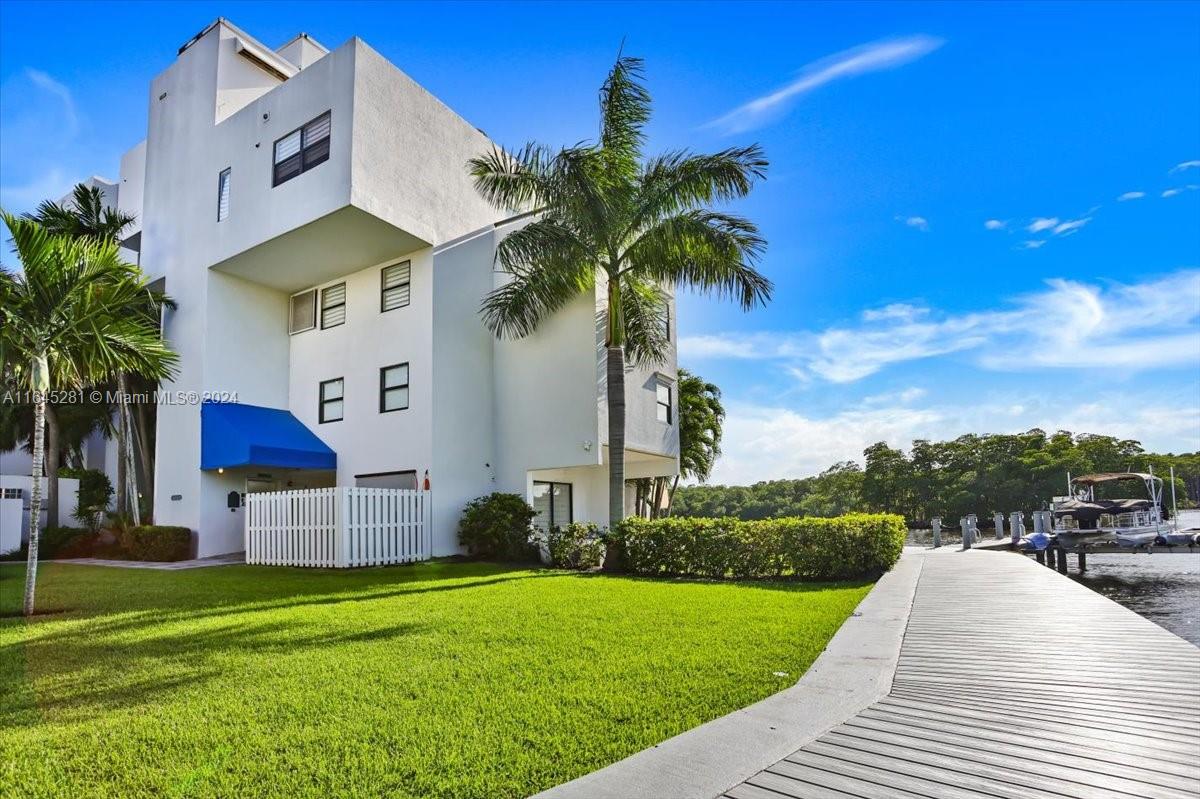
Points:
x=52 y=454
x=122 y=435
x=35 y=498
x=671 y=496
x=616 y=434
x=125 y=450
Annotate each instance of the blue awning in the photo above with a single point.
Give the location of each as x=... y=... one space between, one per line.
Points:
x=233 y=434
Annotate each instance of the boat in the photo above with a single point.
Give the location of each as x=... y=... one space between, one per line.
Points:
x=1081 y=520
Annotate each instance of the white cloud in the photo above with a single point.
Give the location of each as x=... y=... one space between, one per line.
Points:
x=1131 y=195
x=1070 y=226
x=765 y=442
x=1184 y=165
x=53 y=87
x=1180 y=190
x=995 y=224
x=1068 y=324
x=1042 y=223
x=873 y=57
x=1032 y=244
x=896 y=310
x=918 y=222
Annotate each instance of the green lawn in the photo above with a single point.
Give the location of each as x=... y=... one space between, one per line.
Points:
x=441 y=679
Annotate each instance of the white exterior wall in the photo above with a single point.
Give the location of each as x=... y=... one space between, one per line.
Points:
x=132 y=186
x=483 y=414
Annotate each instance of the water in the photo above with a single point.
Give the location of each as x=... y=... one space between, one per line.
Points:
x=1164 y=588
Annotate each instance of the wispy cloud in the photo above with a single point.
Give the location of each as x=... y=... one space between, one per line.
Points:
x=1033 y=244
x=1131 y=195
x=995 y=224
x=1068 y=324
x=1184 y=165
x=769 y=442
x=918 y=222
x=1180 y=190
x=1042 y=223
x=45 y=82
x=1070 y=226
x=873 y=57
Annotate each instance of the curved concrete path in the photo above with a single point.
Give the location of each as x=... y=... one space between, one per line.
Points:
x=1006 y=679
x=853 y=672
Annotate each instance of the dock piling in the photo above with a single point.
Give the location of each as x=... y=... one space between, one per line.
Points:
x=998 y=518
x=1016 y=521
x=1062 y=560
x=1082 y=562
x=937 y=531
x=1051 y=557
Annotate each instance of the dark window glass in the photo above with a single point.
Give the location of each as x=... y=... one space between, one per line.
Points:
x=552 y=503
x=393 y=388
x=302 y=149
x=330 y=406
x=394 y=286
x=664 y=403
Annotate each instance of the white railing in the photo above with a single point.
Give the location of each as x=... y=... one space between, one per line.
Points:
x=338 y=527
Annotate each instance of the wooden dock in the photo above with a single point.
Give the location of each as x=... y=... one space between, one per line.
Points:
x=1013 y=681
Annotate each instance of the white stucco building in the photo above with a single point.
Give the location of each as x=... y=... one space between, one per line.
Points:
x=311 y=214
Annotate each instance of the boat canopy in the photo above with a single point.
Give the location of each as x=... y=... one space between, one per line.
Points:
x=1109 y=477
x=1091 y=510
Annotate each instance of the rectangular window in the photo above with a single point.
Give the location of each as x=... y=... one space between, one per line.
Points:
x=394 y=282
x=302 y=149
x=552 y=503
x=664 y=402
x=667 y=323
x=330 y=407
x=393 y=388
x=303 y=312
x=223 y=194
x=13 y=493
x=333 y=306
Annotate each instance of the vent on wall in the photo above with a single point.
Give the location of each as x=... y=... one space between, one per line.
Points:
x=304 y=311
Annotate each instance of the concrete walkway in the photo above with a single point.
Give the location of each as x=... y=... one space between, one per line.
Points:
x=175 y=565
x=1008 y=680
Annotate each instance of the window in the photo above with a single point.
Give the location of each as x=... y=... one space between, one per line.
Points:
x=552 y=503
x=403 y=480
x=664 y=402
x=393 y=388
x=330 y=406
x=302 y=149
x=13 y=493
x=667 y=322
x=333 y=306
x=304 y=311
x=394 y=281
x=223 y=194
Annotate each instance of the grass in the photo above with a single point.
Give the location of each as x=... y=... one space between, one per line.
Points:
x=440 y=679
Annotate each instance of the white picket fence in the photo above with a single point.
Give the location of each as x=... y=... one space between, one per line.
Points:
x=338 y=527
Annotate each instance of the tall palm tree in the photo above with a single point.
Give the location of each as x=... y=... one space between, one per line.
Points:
x=69 y=318
x=607 y=216
x=86 y=215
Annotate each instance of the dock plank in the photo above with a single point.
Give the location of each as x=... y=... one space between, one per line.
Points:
x=1013 y=681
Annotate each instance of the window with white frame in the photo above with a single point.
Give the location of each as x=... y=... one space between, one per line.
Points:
x=302 y=149
x=331 y=397
x=13 y=493
x=333 y=305
x=393 y=388
x=303 y=314
x=663 y=402
x=223 y=194
x=394 y=286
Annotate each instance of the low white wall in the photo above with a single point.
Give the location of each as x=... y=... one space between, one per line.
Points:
x=68 y=497
x=12 y=512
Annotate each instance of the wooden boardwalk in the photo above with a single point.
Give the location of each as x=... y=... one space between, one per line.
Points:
x=1013 y=681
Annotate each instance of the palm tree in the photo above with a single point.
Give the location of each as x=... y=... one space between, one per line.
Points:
x=606 y=216
x=88 y=216
x=700 y=419
x=69 y=318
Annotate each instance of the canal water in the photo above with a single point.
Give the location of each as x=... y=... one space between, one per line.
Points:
x=1164 y=588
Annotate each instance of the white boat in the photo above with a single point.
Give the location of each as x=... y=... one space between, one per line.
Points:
x=1081 y=520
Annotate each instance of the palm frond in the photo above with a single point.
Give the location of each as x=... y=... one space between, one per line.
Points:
x=680 y=180
x=711 y=252
x=624 y=111
x=644 y=310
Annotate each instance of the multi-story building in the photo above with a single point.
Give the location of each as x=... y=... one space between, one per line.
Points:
x=311 y=215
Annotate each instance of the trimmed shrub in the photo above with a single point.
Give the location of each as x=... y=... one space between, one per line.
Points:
x=577 y=546
x=811 y=548
x=154 y=542
x=95 y=494
x=498 y=527
x=66 y=542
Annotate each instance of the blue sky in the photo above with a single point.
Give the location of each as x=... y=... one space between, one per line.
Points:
x=896 y=132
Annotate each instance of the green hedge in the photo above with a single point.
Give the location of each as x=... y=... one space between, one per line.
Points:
x=154 y=542
x=855 y=545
